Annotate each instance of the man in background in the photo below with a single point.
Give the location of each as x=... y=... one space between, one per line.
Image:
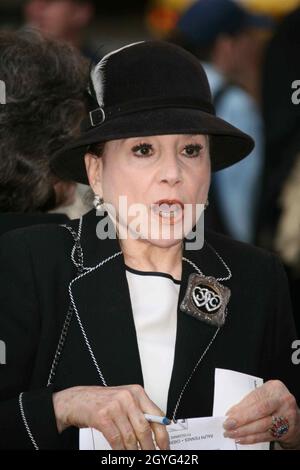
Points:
x=230 y=42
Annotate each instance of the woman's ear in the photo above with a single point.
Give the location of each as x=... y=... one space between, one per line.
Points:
x=94 y=165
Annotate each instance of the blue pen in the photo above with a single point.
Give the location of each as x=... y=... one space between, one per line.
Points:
x=158 y=419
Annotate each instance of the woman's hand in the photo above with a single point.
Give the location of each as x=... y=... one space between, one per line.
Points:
x=249 y=421
x=118 y=412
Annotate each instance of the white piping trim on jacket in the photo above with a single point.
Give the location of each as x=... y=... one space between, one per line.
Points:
x=78 y=316
x=26 y=422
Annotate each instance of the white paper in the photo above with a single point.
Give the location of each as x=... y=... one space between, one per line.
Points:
x=186 y=434
x=230 y=388
x=199 y=433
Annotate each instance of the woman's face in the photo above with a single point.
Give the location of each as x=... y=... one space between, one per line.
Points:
x=153 y=183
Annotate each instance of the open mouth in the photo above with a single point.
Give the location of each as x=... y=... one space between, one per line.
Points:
x=170 y=209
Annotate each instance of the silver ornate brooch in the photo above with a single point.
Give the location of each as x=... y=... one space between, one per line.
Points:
x=206 y=299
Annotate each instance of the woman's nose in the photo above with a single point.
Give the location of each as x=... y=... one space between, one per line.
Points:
x=170 y=172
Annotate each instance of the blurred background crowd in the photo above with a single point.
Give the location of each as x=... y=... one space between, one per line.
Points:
x=251 y=52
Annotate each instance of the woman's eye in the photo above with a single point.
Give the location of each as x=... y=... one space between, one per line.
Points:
x=192 y=150
x=143 y=150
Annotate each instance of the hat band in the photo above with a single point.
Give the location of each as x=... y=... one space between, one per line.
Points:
x=98 y=116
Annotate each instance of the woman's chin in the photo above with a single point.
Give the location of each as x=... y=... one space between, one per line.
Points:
x=166 y=237
x=162 y=243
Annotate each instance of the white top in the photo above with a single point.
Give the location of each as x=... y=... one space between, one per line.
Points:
x=154 y=299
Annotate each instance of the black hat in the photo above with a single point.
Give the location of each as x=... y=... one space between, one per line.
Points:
x=150 y=88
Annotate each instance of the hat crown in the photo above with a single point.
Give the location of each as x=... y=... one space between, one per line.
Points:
x=150 y=71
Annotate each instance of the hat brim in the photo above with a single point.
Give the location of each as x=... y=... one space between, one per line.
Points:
x=228 y=144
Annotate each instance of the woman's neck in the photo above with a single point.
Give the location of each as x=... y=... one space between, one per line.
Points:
x=144 y=256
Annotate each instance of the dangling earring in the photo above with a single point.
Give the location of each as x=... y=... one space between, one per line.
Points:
x=206 y=204
x=98 y=202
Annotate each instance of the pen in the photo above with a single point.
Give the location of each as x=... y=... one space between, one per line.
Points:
x=157 y=419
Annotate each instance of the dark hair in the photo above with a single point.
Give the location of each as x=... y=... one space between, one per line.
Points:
x=45 y=83
x=97 y=149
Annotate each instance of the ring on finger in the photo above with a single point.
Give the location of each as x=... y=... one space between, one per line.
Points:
x=280 y=426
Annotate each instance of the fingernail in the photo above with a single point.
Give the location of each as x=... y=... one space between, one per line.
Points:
x=230 y=434
x=230 y=424
x=237 y=441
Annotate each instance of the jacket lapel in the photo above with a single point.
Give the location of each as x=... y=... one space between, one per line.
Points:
x=103 y=304
x=193 y=336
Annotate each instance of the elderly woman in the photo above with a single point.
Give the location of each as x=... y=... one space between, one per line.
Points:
x=110 y=318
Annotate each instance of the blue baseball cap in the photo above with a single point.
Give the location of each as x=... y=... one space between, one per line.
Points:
x=205 y=20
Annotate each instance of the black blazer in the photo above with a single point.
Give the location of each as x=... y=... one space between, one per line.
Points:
x=13 y=220
x=36 y=270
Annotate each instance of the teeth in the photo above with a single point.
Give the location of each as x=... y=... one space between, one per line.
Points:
x=167 y=214
x=167 y=210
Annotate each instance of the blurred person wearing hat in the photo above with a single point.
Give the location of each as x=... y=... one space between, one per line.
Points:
x=229 y=42
x=113 y=316
x=45 y=86
x=279 y=215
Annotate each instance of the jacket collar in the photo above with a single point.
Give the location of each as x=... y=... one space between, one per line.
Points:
x=102 y=300
x=96 y=250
